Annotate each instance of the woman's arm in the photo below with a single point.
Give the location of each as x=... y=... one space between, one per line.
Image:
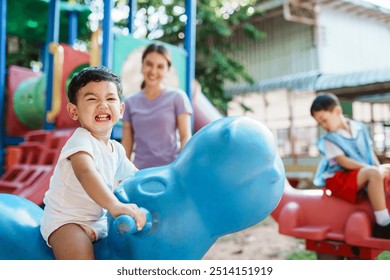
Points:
x=127 y=138
x=93 y=184
x=184 y=127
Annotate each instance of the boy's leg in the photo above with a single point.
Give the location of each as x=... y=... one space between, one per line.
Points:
x=70 y=242
x=386 y=167
x=373 y=178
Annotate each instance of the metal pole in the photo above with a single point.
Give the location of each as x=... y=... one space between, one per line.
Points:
x=73 y=24
x=190 y=44
x=3 y=39
x=52 y=36
x=132 y=13
x=108 y=35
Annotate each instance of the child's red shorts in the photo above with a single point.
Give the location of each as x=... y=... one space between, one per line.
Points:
x=344 y=185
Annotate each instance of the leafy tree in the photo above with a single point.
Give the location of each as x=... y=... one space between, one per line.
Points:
x=217 y=22
x=25 y=52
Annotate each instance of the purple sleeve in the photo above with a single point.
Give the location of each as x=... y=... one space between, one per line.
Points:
x=182 y=104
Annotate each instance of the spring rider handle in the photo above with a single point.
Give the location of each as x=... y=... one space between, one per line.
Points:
x=125 y=224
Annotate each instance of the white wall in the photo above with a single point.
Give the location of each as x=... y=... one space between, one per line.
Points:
x=274 y=108
x=350 y=43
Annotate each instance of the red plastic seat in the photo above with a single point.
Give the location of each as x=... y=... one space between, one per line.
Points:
x=30 y=176
x=328 y=224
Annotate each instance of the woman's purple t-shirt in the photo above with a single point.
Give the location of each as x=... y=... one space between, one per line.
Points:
x=155 y=126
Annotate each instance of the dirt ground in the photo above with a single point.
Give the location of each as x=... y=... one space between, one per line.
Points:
x=260 y=242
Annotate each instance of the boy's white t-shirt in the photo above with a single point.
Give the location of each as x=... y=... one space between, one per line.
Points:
x=66 y=200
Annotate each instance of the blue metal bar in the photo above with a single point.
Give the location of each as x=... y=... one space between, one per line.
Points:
x=52 y=37
x=3 y=38
x=108 y=35
x=190 y=44
x=73 y=24
x=13 y=140
x=132 y=13
x=45 y=54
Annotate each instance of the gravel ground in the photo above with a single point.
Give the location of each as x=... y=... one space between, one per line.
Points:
x=260 y=242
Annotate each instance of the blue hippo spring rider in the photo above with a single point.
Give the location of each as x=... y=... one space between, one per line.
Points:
x=227 y=178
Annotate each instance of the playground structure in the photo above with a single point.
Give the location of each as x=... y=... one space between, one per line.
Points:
x=36 y=121
x=205 y=193
x=331 y=227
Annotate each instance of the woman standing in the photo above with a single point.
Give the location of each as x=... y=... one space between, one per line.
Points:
x=157 y=119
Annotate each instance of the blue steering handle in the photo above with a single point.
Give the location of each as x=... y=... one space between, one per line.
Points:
x=125 y=224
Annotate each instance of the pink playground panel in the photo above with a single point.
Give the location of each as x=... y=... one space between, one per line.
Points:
x=73 y=59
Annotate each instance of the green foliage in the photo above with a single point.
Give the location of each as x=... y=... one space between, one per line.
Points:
x=302 y=255
x=24 y=54
x=385 y=255
x=214 y=64
x=245 y=108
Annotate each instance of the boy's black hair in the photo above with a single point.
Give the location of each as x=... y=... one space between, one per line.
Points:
x=92 y=74
x=324 y=102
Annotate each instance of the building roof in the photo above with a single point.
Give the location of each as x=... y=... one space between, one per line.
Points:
x=299 y=81
x=350 y=85
x=362 y=83
x=305 y=11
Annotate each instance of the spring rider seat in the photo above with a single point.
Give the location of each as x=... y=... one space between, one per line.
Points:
x=227 y=178
x=332 y=227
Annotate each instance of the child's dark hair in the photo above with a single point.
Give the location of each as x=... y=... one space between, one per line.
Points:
x=324 y=102
x=158 y=48
x=92 y=74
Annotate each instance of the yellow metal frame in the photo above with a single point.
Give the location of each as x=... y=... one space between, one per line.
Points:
x=58 y=52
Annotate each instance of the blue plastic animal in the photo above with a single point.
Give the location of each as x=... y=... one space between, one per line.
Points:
x=227 y=178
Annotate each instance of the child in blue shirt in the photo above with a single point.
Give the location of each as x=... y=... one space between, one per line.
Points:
x=349 y=163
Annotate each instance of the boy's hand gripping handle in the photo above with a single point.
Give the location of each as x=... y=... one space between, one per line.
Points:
x=124 y=224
